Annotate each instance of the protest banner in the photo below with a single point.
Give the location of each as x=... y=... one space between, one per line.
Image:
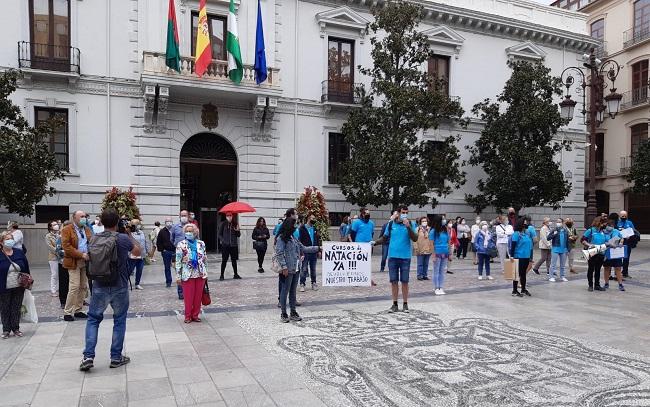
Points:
x=346 y=264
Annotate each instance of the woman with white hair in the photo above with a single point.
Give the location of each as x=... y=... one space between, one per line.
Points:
x=544 y=247
x=12 y=261
x=191 y=271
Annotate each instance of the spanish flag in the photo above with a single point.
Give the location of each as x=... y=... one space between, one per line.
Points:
x=203 y=54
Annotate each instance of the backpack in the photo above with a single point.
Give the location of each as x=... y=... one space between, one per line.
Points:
x=102 y=263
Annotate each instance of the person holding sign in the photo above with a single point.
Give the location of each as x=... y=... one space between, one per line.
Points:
x=616 y=252
x=402 y=232
x=595 y=236
x=289 y=252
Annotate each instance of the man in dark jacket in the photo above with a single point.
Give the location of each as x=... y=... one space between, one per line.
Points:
x=167 y=249
x=308 y=236
x=229 y=239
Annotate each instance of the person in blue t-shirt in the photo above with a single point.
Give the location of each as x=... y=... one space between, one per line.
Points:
x=442 y=248
x=363 y=228
x=559 y=238
x=521 y=246
x=594 y=236
x=402 y=232
x=614 y=239
x=624 y=223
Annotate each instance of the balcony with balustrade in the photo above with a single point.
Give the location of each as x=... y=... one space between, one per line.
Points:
x=637 y=35
x=626 y=163
x=635 y=98
x=215 y=78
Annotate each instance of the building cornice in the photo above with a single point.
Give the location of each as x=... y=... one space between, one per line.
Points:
x=89 y=85
x=484 y=23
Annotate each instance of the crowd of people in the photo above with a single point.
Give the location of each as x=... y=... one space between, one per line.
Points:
x=75 y=256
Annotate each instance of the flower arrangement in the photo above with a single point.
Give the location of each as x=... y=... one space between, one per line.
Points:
x=124 y=202
x=312 y=202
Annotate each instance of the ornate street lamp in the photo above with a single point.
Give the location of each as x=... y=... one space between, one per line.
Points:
x=595 y=115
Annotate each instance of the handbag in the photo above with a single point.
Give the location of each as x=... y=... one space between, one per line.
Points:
x=205 y=298
x=275 y=263
x=259 y=245
x=16 y=278
x=492 y=252
x=511 y=270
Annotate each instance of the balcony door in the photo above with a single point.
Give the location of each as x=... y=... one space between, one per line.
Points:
x=340 y=71
x=640 y=82
x=49 y=22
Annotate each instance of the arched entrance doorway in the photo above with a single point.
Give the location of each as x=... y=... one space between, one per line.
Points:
x=208 y=178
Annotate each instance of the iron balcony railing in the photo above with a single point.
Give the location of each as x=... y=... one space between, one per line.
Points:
x=48 y=57
x=634 y=97
x=636 y=35
x=601 y=50
x=337 y=91
x=601 y=168
x=626 y=163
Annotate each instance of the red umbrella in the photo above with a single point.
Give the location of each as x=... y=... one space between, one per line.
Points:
x=237 y=207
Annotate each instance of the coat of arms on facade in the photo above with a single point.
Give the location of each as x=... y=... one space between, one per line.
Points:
x=210 y=116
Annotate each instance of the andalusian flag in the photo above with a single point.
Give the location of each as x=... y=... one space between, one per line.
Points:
x=172 y=55
x=235 y=66
x=203 y=54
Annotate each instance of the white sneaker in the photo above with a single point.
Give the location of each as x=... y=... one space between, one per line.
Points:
x=314 y=286
x=302 y=288
x=552 y=279
x=564 y=279
x=442 y=292
x=480 y=277
x=139 y=287
x=490 y=278
x=436 y=291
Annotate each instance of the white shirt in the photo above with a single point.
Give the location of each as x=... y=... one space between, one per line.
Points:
x=18 y=237
x=474 y=232
x=98 y=229
x=503 y=233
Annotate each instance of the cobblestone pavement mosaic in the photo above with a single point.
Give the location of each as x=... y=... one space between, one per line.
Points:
x=260 y=290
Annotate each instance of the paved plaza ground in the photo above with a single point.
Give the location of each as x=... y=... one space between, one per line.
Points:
x=476 y=346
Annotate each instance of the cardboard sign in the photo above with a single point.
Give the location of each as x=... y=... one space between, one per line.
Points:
x=346 y=264
x=616 y=253
x=629 y=232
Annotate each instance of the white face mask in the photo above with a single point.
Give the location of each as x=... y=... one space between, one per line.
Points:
x=424 y=224
x=484 y=228
x=463 y=223
x=183 y=219
x=478 y=220
x=559 y=225
x=55 y=228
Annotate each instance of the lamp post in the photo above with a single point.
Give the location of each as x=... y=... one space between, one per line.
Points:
x=594 y=114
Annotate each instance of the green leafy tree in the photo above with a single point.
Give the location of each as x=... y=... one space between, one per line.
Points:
x=388 y=164
x=26 y=163
x=516 y=148
x=640 y=171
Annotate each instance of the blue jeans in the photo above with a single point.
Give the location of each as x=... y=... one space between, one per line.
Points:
x=167 y=256
x=423 y=265
x=289 y=284
x=309 y=262
x=398 y=270
x=138 y=264
x=384 y=257
x=483 y=259
x=439 y=270
x=554 y=258
x=118 y=299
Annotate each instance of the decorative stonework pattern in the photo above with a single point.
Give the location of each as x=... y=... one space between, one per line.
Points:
x=422 y=359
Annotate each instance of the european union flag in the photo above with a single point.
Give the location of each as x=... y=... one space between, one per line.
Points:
x=260 y=53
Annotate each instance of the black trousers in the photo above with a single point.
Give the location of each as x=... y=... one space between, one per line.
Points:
x=64 y=284
x=260 y=257
x=626 y=261
x=462 y=250
x=10 y=303
x=231 y=252
x=593 y=270
x=523 y=267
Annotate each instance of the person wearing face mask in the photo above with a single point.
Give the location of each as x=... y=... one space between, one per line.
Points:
x=363 y=228
x=192 y=219
x=614 y=239
x=573 y=238
x=559 y=238
x=595 y=236
x=11 y=298
x=464 y=236
x=483 y=243
x=423 y=249
x=521 y=245
x=503 y=230
x=440 y=237
x=630 y=243
x=74 y=240
x=136 y=262
x=308 y=236
x=167 y=249
x=191 y=271
x=52 y=256
x=177 y=235
x=476 y=227
x=512 y=216
x=544 y=247
x=97 y=226
x=229 y=240
x=153 y=236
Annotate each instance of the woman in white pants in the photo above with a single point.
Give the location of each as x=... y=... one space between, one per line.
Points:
x=52 y=259
x=503 y=231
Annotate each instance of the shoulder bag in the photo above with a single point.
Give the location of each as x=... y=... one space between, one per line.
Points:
x=16 y=278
